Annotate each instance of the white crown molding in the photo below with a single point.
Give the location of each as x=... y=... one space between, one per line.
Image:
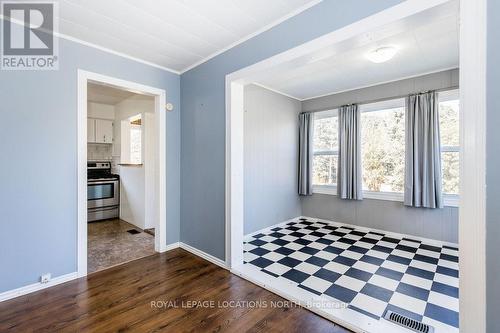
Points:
x=102 y=48
x=123 y=55
x=258 y=32
x=31 y=288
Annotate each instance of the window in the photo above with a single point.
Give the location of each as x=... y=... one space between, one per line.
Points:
x=450 y=143
x=383 y=146
x=325 y=143
x=131 y=140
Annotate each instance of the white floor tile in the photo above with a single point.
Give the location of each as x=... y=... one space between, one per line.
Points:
x=387 y=244
x=417 y=281
x=423 y=265
x=326 y=255
x=408 y=303
x=277 y=268
x=307 y=268
x=404 y=254
x=248 y=256
x=444 y=301
x=310 y=238
x=316 y=245
x=336 y=267
x=248 y=247
x=270 y=246
x=294 y=246
x=289 y=238
x=351 y=254
x=428 y=253
x=384 y=282
x=410 y=244
x=364 y=266
x=394 y=266
x=273 y=256
x=316 y=283
x=341 y=245
x=378 y=254
x=369 y=304
x=350 y=283
x=445 y=279
x=449 y=264
x=300 y=256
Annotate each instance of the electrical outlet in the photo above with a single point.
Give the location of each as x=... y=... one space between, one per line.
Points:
x=45 y=278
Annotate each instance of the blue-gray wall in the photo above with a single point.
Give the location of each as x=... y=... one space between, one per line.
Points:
x=440 y=224
x=271 y=135
x=203 y=113
x=38 y=149
x=492 y=168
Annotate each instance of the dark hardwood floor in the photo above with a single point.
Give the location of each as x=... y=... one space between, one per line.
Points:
x=120 y=299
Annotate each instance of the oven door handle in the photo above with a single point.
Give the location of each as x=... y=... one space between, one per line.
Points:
x=103 y=182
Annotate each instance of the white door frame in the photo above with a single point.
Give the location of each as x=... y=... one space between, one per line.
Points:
x=84 y=77
x=472 y=169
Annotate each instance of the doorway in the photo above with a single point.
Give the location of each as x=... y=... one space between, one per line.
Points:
x=471 y=228
x=121 y=171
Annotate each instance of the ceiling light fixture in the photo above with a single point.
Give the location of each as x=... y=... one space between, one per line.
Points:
x=382 y=54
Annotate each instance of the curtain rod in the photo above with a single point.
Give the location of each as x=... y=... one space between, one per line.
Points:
x=383 y=99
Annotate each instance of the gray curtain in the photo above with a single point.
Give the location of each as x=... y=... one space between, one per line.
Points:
x=306 y=123
x=349 y=183
x=423 y=152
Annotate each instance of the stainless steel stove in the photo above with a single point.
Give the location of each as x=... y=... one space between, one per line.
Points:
x=103 y=192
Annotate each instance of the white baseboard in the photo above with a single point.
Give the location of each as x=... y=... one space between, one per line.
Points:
x=169 y=247
x=203 y=255
x=37 y=286
x=71 y=276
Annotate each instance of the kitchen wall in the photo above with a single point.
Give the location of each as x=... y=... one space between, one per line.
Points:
x=440 y=224
x=270 y=137
x=38 y=196
x=203 y=113
x=133 y=184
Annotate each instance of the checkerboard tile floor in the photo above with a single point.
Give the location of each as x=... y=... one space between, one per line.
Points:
x=368 y=270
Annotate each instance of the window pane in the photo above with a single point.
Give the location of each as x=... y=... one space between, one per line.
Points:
x=135 y=144
x=383 y=150
x=325 y=134
x=325 y=169
x=448 y=123
x=450 y=165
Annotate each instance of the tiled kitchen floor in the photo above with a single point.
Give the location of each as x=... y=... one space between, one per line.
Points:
x=110 y=244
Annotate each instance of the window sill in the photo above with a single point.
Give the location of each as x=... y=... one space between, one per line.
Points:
x=450 y=200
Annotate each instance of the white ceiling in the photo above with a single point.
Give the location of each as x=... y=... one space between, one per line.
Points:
x=175 y=34
x=427 y=43
x=99 y=93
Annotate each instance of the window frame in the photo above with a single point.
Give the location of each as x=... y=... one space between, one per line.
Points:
x=449 y=200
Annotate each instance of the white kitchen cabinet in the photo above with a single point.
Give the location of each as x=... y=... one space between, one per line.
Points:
x=103 y=131
x=99 y=131
x=90 y=130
